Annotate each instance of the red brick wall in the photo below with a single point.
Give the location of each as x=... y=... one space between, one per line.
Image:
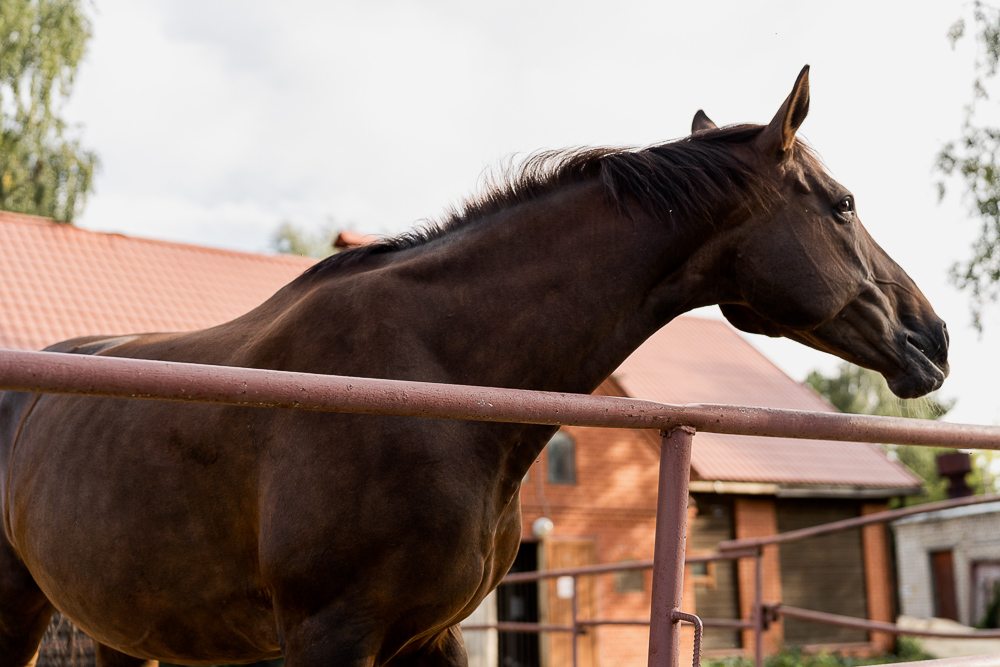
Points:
x=613 y=504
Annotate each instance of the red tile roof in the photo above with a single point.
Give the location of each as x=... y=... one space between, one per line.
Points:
x=696 y=360
x=59 y=281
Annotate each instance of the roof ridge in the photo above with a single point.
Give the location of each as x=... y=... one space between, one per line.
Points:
x=31 y=218
x=12 y=217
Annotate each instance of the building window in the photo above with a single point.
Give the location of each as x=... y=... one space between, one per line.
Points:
x=629 y=581
x=703 y=573
x=561 y=461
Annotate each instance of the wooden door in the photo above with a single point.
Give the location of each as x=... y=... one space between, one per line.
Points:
x=943 y=579
x=558 y=607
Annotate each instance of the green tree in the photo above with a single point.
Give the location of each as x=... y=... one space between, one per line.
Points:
x=291 y=239
x=971 y=160
x=861 y=391
x=43 y=168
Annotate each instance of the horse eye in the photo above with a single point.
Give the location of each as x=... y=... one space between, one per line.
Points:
x=846 y=205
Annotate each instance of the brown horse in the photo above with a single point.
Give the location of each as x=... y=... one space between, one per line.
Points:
x=203 y=533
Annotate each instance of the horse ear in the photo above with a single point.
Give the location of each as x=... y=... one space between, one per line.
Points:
x=702 y=122
x=779 y=135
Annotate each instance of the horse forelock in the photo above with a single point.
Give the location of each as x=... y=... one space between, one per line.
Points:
x=678 y=182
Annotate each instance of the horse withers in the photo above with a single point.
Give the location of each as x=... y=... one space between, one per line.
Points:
x=204 y=533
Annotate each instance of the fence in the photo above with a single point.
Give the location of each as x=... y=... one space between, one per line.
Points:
x=172 y=381
x=762 y=612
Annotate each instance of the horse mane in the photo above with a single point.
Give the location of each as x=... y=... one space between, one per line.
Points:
x=678 y=180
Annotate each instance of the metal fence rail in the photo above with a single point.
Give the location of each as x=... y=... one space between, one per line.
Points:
x=160 y=380
x=762 y=613
x=58 y=372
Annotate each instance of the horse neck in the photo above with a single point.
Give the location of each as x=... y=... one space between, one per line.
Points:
x=551 y=293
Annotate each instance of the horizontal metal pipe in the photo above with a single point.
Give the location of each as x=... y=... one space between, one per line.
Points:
x=877 y=626
x=63 y=373
x=968 y=661
x=537 y=575
x=517 y=627
x=741 y=546
x=730 y=623
x=594 y=622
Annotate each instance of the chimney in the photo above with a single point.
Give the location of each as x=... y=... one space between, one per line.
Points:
x=954 y=466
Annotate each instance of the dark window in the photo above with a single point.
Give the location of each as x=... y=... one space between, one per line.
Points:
x=699 y=569
x=562 y=458
x=629 y=581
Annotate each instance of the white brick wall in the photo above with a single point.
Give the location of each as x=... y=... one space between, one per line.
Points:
x=973 y=534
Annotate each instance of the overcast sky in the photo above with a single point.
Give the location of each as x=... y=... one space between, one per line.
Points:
x=215 y=121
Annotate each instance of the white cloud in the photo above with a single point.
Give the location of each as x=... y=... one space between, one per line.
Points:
x=216 y=121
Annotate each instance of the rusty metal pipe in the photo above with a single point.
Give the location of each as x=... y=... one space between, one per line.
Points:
x=739 y=546
x=970 y=661
x=877 y=626
x=575 y=620
x=728 y=623
x=593 y=570
x=56 y=372
x=669 y=546
x=513 y=626
x=758 y=609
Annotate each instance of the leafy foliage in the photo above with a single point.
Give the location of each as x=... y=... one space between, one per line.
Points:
x=907 y=650
x=861 y=391
x=991 y=617
x=973 y=160
x=43 y=168
x=294 y=240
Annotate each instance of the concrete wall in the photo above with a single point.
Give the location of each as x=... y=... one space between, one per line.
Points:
x=972 y=533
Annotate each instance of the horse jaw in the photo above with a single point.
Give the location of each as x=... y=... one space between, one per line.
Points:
x=913 y=359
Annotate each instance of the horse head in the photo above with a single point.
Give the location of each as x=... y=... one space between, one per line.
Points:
x=805 y=268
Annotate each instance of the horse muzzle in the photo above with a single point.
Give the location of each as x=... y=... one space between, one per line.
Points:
x=923 y=355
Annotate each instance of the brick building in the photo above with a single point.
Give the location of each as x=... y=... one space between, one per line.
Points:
x=602 y=503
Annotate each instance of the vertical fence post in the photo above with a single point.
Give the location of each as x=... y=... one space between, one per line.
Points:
x=576 y=624
x=758 y=608
x=668 y=554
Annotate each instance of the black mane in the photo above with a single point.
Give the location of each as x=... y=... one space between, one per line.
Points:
x=682 y=179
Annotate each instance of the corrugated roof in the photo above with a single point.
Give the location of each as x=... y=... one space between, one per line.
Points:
x=697 y=360
x=59 y=281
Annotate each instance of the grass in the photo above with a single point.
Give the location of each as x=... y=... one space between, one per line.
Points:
x=907 y=650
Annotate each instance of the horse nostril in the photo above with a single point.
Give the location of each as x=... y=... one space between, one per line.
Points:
x=933 y=345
